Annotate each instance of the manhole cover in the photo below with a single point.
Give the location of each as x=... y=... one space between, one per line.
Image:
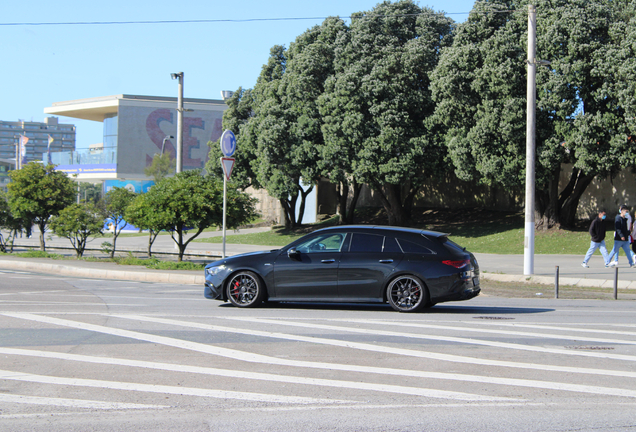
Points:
x=493 y=318
x=590 y=347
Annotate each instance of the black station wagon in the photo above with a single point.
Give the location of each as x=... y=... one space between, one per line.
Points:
x=409 y=268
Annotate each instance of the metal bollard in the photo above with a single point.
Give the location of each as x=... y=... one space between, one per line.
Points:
x=616 y=283
x=556 y=282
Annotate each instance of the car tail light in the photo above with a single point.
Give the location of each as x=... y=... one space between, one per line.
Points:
x=457 y=264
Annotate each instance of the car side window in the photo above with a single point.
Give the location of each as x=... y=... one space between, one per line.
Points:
x=366 y=243
x=391 y=246
x=410 y=247
x=322 y=243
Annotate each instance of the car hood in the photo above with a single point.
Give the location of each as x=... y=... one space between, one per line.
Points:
x=229 y=260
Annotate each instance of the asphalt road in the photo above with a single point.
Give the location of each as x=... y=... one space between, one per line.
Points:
x=92 y=355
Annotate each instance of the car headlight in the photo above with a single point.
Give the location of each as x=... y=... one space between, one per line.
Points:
x=213 y=271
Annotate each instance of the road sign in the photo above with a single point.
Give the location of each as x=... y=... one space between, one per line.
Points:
x=228 y=143
x=228 y=164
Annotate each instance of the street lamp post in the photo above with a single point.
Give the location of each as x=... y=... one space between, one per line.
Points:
x=163 y=145
x=179 y=75
x=528 y=243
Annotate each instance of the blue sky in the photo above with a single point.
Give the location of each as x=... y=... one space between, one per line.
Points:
x=45 y=64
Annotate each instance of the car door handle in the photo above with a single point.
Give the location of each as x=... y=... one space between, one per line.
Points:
x=386 y=261
x=328 y=261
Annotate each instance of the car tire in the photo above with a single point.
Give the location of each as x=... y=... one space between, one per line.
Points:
x=245 y=289
x=407 y=294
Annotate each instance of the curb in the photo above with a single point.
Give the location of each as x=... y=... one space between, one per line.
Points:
x=93 y=273
x=181 y=278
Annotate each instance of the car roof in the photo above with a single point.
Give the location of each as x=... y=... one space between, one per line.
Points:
x=384 y=229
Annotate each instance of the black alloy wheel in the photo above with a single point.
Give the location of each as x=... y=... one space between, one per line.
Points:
x=245 y=289
x=407 y=294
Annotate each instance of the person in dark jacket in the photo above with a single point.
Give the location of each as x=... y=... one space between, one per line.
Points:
x=621 y=236
x=597 y=232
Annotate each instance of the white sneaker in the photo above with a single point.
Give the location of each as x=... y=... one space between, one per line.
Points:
x=613 y=264
x=585 y=265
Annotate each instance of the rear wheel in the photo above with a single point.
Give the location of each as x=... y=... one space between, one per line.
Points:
x=245 y=289
x=407 y=294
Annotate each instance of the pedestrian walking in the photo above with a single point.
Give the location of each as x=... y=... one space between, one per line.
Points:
x=621 y=236
x=597 y=232
x=630 y=226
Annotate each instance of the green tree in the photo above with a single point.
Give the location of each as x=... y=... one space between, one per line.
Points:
x=115 y=203
x=377 y=107
x=37 y=192
x=190 y=202
x=144 y=213
x=236 y=118
x=10 y=223
x=162 y=165
x=480 y=86
x=77 y=223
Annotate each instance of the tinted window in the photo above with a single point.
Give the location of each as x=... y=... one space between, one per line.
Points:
x=390 y=245
x=322 y=243
x=366 y=243
x=410 y=247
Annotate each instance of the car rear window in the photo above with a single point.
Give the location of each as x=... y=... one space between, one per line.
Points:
x=410 y=247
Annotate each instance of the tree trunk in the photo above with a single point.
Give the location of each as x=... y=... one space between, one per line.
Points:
x=392 y=203
x=354 y=201
x=112 y=252
x=342 y=194
x=346 y=212
x=571 y=203
x=547 y=204
x=303 y=201
x=42 y=226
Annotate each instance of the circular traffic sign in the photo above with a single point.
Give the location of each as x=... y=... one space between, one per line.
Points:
x=228 y=143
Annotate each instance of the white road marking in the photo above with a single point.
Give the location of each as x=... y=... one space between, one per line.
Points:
x=75 y=403
x=413 y=391
x=401 y=407
x=43 y=302
x=470 y=341
x=34 y=292
x=154 y=388
x=490 y=331
x=422 y=354
x=552 y=327
x=257 y=358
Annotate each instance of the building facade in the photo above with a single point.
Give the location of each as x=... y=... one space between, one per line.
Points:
x=135 y=129
x=63 y=136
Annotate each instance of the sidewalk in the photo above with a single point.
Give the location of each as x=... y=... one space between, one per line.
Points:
x=504 y=268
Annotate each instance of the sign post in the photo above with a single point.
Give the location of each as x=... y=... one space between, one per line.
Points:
x=228 y=147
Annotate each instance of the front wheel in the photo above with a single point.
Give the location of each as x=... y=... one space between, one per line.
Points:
x=245 y=289
x=406 y=294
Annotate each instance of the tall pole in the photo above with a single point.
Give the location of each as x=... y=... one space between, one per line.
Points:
x=17 y=154
x=528 y=244
x=224 y=209
x=180 y=110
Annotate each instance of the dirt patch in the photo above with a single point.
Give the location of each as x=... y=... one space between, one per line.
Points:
x=528 y=290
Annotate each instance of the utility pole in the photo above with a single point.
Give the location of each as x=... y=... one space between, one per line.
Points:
x=528 y=243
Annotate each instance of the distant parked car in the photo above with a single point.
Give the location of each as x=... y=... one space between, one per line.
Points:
x=408 y=268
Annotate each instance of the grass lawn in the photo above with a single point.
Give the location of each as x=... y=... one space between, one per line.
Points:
x=478 y=231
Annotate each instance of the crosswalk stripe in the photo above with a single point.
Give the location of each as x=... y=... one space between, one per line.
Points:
x=75 y=403
x=470 y=341
x=154 y=388
x=413 y=391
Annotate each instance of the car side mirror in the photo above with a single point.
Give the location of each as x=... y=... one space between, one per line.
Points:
x=293 y=253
